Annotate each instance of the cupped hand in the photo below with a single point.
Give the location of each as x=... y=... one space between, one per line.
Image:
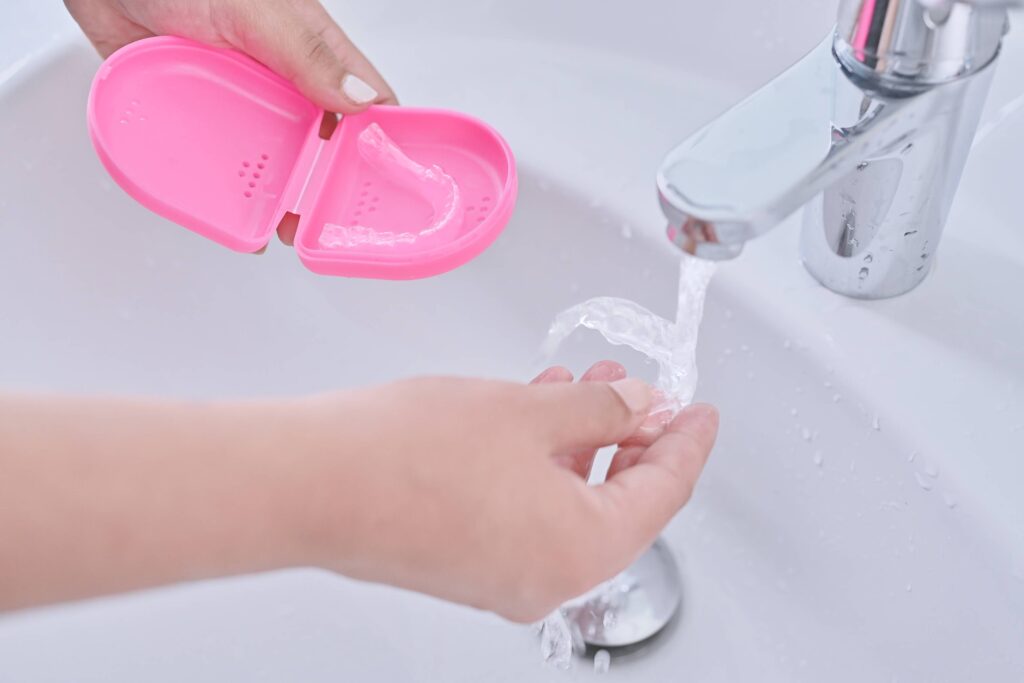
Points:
x=475 y=491
x=298 y=39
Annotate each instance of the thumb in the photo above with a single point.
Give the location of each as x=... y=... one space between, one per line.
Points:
x=644 y=497
x=301 y=42
x=591 y=414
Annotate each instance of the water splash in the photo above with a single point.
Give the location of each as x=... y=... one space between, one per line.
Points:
x=672 y=345
x=556 y=641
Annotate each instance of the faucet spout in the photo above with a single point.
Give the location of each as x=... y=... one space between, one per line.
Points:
x=873 y=152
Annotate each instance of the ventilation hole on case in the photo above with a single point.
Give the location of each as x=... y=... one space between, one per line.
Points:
x=470 y=208
x=367 y=183
x=252 y=184
x=248 y=194
x=264 y=156
x=376 y=199
x=480 y=219
x=361 y=202
x=359 y=213
x=261 y=166
x=364 y=193
x=485 y=200
x=328 y=124
x=372 y=209
x=245 y=164
x=255 y=175
x=241 y=174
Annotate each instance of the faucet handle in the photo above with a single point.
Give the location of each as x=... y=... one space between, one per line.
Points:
x=906 y=46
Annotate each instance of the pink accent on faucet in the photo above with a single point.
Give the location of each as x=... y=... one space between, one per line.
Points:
x=860 y=36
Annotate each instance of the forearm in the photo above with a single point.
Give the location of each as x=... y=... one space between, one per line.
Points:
x=100 y=496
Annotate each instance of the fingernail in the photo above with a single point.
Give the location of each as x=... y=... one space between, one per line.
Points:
x=635 y=393
x=358 y=90
x=700 y=411
x=657 y=420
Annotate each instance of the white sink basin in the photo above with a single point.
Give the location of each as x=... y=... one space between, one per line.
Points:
x=861 y=519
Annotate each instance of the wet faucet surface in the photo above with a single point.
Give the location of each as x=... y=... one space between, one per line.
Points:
x=869 y=133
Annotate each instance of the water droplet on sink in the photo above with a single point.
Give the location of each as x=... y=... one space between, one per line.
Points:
x=924 y=482
x=912 y=456
x=910 y=587
x=931 y=470
x=863 y=274
x=627 y=231
x=608 y=619
x=876 y=424
x=806 y=435
x=787 y=345
x=836 y=398
x=861 y=166
x=868 y=258
x=819 y=459
x=950 y=501
x=794 y=412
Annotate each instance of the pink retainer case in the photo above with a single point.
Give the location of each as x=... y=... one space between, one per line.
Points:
x=216 y=142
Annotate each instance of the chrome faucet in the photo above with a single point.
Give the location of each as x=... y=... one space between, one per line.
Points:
x=869 y=132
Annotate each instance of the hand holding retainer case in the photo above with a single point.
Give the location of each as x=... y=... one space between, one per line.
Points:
x=216 y=142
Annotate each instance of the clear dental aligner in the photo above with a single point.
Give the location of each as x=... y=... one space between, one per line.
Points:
x=673 y=346
x=431 y=183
